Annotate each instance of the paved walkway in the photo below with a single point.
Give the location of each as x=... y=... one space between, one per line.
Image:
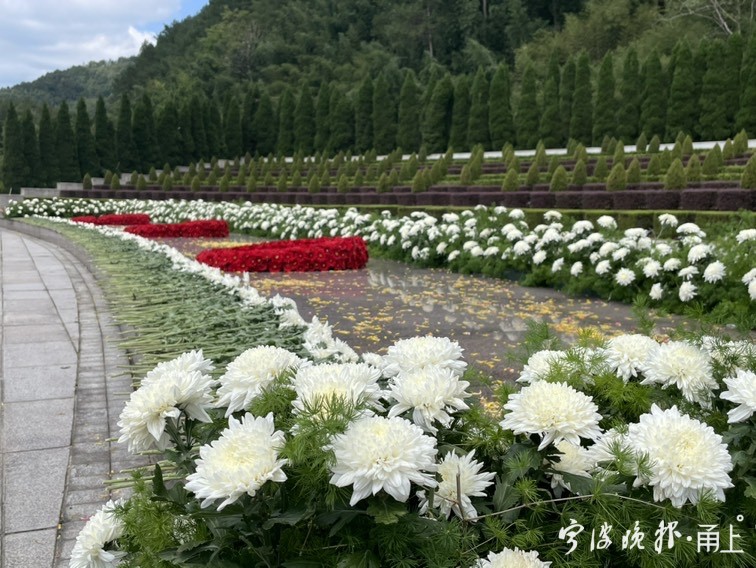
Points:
x=62 y=390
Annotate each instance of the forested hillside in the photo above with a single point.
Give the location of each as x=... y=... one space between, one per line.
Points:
x=329 y=76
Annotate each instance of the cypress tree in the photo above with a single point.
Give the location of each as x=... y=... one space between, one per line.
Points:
x=600 y=170
x=460 y=115
x=559 y=179
x=551 y=122
x=528 y=116
x=304 y=122
x=212 y=121
x=581 y=117
x=617 y=178
x=104 y=137
x=713 y=124
x=675 y=178
x=384 y=116
x=628 y=114
x=408 y=131
x=286 y=108
x=124 y=144
x=477 y=126
x=15 y=171
x=746 y=117
x=232 y=129
x=143 y=134
x=682 y=104
x=342 y=121
x=748 y=179
x=437 y=116
x=654 y=105
x=693 y=169
x=31 y=149
x=580 y=173
x=322 y=124
x=65 y=144
x=500 y=118
x=363 y=116
x=48 y=172
x=734 y=54
x=604 y=119
x=249 y=106
x=85 y=146
x=265 y=126
x=634 y=171
x=199 y=136
x=566 y=94
x=186 y=139
x=167 y=132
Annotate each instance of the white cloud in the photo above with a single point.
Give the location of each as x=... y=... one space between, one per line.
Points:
x=38 y=36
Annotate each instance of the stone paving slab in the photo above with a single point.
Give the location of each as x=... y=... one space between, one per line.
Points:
x=38 y=424
x=38 y=383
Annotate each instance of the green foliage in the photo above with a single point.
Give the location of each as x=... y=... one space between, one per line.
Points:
x=314 y=184
x=477 y=128
x=580 y=173
x=408 y=127
x=604 y=119
x=628 y=114
x=511 y=180
x=654 y=167
x=748 y=179
x=675 y=178
x=14 y=166
x=654 y=145
x=264 y=125
x=601 y=169
x=286 y=108
x=419 y=182
x=641 y=144
x=619 y=153
x=363 y=116
x=500 y=119
x=566 y=97
x=85 y=144
x=115 y=182
x=384 y=117
x=654 y=106
x=581 y=117
x=617 y=179
x=437 y=116
x=87 y=182
x=528 y=114
x=322 y=116
x=634 y=171
x=460 y=115
x=533 y=176
x=559 y=179
x=682 y=105
x=465 y=177
x=728 y=151
x=693 y=169
x=740 y=143
x=48 y=172
x=715 y=97
x=168 y=183
x=141 y=183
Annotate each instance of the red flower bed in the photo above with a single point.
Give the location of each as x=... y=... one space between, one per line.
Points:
x=187 y=229
x=304 y=255
x=114 y=219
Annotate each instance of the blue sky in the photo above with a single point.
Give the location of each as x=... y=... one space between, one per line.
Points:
x=39 y=36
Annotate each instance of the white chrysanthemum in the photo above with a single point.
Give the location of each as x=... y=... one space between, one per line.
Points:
x=681 y=364
x=539 y=257
x=603 y=267
x=672 y=264
x=624 y=277
x=418 y=352
x=576 y=269
x=143 y=419
x=746 y=235
x=539 y=365
x=102 y=528
x=620 y=253
x=668 y=220
x=240 y=461
x=376 y=453
x=686 y=457
x=656 y=292
x=452 y=255
x=552 y=215
x=606 y=222
x=652 y=269
x=690 y=229
x=687 y=291
x=625 y=354
x=520 y=248
x=741 y=391
x=749 y=276
x=688 y=272
x=606 y=447
x=555 y=411
x=714 y=272
x=432 y=393
x=184 y=363
x=460 y=478
x=752 y=289
x=351 y=382
x=250 y=373
x=512 y=558
x=572 y=459
x=556 y=266
x=698 y=252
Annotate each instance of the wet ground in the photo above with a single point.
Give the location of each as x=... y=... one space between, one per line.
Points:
x=372 y=308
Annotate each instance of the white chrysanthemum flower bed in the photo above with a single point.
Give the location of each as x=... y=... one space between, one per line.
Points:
x=101 y=529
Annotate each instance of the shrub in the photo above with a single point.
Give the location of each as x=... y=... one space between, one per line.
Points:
x=642 y=143
x=86 y=183
x=541 y=159
x=553 y=165
x=141 y=183
x=654 y=145
x=533 y=176
x=559 y=179
x=168 y=183
x=393 y=178
x=713 y=161
x=252 y=183
x=687 y=146
x=634 y=171
x=196 y=184
x=675 y=178
x=580 y=153
x=314 y=185
x=133 y=178
x=152 y=175
x=748 y=179
x=283 y=181
x=185 y=180
x=728 y=151
x=617 y=179
x=115 y=182
x=108 y=177
x=325 y=179
x=572 y=145
x=514 y=164
x=383 y=183
x=241 y=179
x=612 y=146
x=465 y=176
x=580 y=173
x=511 y=181
x=342 y=186
x=601 y=170
x=359 y=179
x=654 y=167
x=740 y=143
x=418 y=182
x=619 y=153
x=507 y=152
x=693 y=168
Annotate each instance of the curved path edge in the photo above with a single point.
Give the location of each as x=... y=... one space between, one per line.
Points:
x=64 y=384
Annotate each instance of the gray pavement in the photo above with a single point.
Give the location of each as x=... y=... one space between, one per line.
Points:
x=62 y=387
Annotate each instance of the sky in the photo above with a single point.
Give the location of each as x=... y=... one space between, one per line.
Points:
x=39 y=36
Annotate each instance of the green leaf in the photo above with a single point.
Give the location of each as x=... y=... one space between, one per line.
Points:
x=360 y=560
x=520 y=459
x=751 y=489
x=386 y=512
x=289 y=518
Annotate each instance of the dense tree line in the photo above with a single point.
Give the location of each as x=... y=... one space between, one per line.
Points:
x=708 y=92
